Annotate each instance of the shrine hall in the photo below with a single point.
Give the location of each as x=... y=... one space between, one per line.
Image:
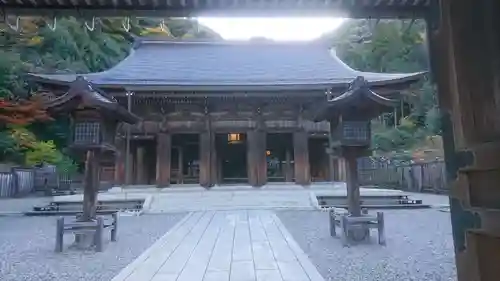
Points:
x=225 y=112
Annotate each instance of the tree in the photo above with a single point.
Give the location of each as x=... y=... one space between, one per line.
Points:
x=21 y=112
x=70 y=48
x=393 y=46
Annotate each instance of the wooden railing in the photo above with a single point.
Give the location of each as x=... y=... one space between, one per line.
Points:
x=416 y=177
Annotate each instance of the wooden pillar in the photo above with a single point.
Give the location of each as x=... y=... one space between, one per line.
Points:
x=257 y=164
x=180 y=161
x=120 y=161
x=331 y=168
x=133 y=165
x=252 y=162
x=214 y=171
x=352 y=185
x=301 y=157
x=91 y=185
x=288 y=166
x=163 y=155
x=140 y=173
x=261 y=157
x=464 y=43
x=207 y=148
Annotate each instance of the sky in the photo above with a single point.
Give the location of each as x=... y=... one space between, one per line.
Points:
x=279 y=29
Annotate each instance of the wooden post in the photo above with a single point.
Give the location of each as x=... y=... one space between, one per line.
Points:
x=59 y=235
x=252 y=158
x=120 y=162
x=91 y=185
x=114 y=230
x=331 y=167
x=98 y=235
x=214 y=175
x=206 y=150
x=301 y=156
x=140 y=179
x=464 y=47
x=261 y=158
x=180 y=161
x=288 y=166
x=256 y=153
x=353 y=193
x=331 y=220
x=164 y=147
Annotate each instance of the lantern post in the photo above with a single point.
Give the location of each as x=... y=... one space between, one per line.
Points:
x=94 y=120
x=350 y=116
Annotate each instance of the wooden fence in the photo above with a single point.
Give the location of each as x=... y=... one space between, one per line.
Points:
x=416 y=177
x=23 y=181
x=17 y=182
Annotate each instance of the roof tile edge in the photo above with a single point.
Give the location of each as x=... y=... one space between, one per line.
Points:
x=140 y=41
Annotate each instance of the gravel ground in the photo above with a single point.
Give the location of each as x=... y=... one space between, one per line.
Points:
x=419 y=247
x=27 y=249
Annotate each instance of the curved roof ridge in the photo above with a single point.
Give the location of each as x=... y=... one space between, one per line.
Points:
x=170 y=62
x=146 y=40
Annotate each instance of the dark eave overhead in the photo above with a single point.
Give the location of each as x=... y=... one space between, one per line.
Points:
x=183 y=8
x=163 y=65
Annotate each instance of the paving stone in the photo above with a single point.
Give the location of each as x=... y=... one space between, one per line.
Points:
x=242 y=271
x=223 y=250
x=216 y=276
x=164 y=277
x=224 y=246
x=292 y=271
x=176 y=262
x=268 y=275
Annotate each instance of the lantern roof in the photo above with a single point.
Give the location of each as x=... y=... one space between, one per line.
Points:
x=82 y=93
x=358 y=102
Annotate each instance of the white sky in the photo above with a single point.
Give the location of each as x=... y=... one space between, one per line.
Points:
x=280 y=29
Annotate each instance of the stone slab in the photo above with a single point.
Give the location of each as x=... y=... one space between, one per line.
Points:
x=224 y=246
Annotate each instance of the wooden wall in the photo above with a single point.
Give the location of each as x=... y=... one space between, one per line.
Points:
x=464 y=41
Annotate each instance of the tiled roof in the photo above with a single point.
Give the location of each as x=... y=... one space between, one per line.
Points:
x=157 y=63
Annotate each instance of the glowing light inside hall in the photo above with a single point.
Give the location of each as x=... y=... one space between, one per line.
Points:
x=233 y=138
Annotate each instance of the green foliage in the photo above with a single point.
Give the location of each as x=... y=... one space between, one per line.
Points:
x=8 y=148
x=393 y=46
x=70 y=48
x=46 y=152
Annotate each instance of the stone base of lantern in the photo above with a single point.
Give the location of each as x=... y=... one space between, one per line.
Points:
x=356 y=228
x=88 y=234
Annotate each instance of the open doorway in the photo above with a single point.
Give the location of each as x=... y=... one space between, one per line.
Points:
x=232 y=158
x=185 y=161
x=143 y=166
x=318 y=159
x=279 y=157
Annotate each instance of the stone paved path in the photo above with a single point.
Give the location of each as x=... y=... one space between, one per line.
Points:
x=224 y=246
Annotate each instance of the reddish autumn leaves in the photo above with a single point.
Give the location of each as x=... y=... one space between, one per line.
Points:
x=21 y=112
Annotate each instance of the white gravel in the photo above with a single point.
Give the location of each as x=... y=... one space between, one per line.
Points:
x=27 y=249
x=419 y=247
